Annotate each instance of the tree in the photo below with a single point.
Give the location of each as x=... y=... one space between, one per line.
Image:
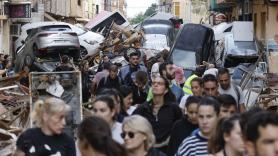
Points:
x=141 y=17
x=151 y=10
x=138 y=18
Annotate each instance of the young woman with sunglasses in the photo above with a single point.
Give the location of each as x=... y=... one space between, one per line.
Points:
x=94 y=138
x=160 y=112
x=226 y=139
x=48 y=137
x=104 y=107
x=138 y=137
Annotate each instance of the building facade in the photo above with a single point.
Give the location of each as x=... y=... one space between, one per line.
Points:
x=264 y=14
x=119 y=5
x=165 y=6
x=191 y=11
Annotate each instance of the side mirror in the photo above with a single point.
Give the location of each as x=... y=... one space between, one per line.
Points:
x=23 y=42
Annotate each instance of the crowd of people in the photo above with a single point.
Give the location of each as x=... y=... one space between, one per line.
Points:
x=157 y=112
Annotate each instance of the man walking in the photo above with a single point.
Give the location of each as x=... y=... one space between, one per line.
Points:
x=226 y=87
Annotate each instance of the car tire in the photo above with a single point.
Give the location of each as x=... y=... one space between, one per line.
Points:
x=83 y=52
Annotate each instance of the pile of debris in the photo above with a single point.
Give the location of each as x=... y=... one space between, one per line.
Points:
x=14 y=111
x=117 y=41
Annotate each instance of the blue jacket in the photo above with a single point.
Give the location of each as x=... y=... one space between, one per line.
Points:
x=127 y=75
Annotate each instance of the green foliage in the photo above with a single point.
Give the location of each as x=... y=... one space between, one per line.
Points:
x=141 y=17
x=151 y=10
x=138 y=18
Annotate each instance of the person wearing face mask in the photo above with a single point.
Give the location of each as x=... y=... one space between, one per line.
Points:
x=48 y=137
x=138 y=137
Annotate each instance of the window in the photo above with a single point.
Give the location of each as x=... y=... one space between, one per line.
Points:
x=229 y=29
x=177 y=8
x=56 y=28
x=15 y=29
x=97 y=9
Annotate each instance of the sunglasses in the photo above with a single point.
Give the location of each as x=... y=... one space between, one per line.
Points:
x=131 y=135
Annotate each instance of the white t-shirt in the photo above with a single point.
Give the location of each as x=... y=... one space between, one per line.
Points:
x=131 y=109
x=116 y=132
x=232 y=91
x=183 y=100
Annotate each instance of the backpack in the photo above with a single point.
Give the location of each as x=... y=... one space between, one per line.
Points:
x=237 y=93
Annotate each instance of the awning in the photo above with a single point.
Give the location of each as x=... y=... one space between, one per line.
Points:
x=50 y=18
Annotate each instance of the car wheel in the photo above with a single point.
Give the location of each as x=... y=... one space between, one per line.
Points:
x=83 y=52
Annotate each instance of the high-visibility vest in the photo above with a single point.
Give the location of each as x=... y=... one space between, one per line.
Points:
x=187 y=85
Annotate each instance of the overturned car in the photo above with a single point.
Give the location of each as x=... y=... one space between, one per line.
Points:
x=194 y=44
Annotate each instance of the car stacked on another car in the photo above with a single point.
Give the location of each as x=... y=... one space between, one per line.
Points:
x=89 y=41
x=44 y=47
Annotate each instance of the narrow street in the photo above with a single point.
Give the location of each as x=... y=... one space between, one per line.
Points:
x=148 y=78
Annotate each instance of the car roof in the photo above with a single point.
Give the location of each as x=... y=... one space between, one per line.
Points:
x=39 y=24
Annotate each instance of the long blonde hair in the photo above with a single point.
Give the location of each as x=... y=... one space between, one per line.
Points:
x=50 y=106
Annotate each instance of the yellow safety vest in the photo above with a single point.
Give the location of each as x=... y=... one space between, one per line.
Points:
x=187 y=85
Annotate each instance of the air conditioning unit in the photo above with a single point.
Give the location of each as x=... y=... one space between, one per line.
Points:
x=15 y=29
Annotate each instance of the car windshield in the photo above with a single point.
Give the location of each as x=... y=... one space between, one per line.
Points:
x=56 y=28
x=184 y=58
x=157 y=29
x=78 y=30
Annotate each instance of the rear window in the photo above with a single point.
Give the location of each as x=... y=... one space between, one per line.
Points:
x=56 y=28
x=184 y=58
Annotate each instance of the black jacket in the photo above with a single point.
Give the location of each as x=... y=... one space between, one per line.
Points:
x=162 y=124
x=155 y=152
x=107 y=82
x=182 y=129
x=139 y=96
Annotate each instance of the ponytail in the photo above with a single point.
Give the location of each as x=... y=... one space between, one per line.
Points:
x=37 y=112
x=50 y=106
